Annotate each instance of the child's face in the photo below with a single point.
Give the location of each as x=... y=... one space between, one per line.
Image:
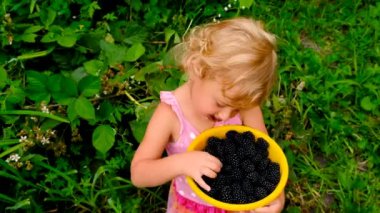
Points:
x=208 y=100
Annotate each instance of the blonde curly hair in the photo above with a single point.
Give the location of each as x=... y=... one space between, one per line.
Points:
x=238 y=53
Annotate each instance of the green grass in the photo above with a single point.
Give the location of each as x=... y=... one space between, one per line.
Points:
x=330 y=128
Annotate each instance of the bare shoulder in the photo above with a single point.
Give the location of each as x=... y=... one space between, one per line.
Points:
x=158 y=134
x=253 y=117
x=164 y=122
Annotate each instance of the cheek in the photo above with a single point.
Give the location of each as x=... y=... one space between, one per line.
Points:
x=204 y=104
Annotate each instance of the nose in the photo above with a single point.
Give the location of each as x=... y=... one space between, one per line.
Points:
x=226 y=113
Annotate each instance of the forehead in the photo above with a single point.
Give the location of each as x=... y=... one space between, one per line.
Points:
x=215 y=89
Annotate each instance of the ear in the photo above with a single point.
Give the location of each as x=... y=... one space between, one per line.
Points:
x=195 y=69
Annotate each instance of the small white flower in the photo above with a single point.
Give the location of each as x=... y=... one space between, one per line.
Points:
x=225 y=8
x=34 y=118
x=214 y=19
x=44 y=109
x=281 y=100
x=45 y=141
x=13 y=157
x=219 y=15
x=97 y=96
x=300 y=86
x=105 y=92
x=51 y=132
x=229 y=5
x=243 y=7
x=23 y=138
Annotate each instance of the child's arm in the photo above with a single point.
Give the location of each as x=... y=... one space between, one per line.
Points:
x=150 y=169
x=254 y=118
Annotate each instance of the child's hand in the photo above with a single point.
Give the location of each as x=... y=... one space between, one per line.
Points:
x=199 y=163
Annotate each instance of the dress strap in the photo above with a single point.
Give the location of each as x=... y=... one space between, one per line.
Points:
x=169 y=98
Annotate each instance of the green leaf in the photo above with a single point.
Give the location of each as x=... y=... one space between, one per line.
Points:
x=143 y=114
x=34 y=113
x=15 y=94
x=135 y=52
x=168 y=34
x=20 y=205
x=49 y=37
x=47 y=16
x=28 y=37
x=103 y=138
x=67 y=89
x=54 y=82
x=3 y=78
x=33 y=29
x=71 y=113
x=150 y=68
x=67 y=40
x=93 y=67
x=84 y=108
x=36 y=87
x=367 y=104
x=246 y=3
x=105 y=111
x=89 y=86
x=115 y=54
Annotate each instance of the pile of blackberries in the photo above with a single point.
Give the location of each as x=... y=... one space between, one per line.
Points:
x=247 y=175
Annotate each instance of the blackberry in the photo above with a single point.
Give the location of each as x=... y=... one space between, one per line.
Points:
x=212 y=151
x=223 y=180
x=213 y=141
x=262 y=144
x=233 y=160
x=262 y=165
x=269 y=186
x=273 y=172
x=248 y=166
x=237 y=174
x=229 y=148
x=260 y=193
x=238 y=194
x=247 y=186
x=253 y=176
x=214 y=192
x=230 y=135
x=226 y=194
x=258 y=156
x=247 y=138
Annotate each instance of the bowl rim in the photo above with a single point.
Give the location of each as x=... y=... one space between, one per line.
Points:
x=249 y=206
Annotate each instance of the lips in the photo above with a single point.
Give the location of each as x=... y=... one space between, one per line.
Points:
x=213 y=118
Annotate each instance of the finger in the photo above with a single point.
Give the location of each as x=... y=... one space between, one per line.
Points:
x=215 y=160
x=214 y=164
x=202 y=184
x=208 y=172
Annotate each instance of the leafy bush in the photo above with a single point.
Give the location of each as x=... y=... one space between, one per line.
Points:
x=80 y=79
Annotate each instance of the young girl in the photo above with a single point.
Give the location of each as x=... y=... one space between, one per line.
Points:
x=231 y=69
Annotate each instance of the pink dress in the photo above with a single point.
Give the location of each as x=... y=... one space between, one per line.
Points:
x=181 y=197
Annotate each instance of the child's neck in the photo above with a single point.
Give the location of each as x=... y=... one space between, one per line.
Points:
x=183 y=96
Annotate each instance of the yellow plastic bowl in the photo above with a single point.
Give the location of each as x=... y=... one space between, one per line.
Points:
x=275 y=154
